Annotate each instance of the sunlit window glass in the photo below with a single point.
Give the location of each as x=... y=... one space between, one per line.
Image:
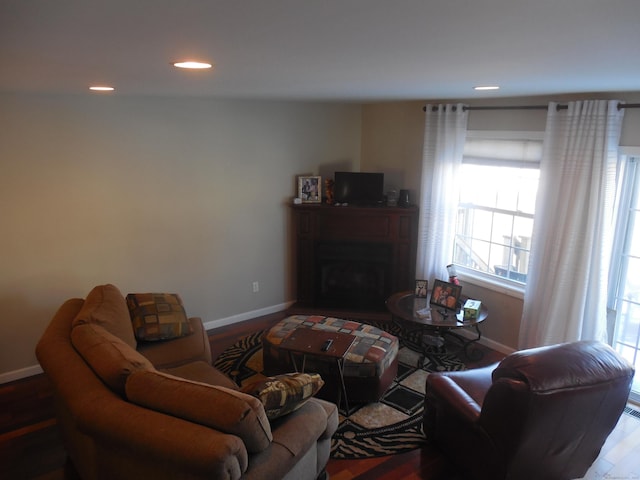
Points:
x=499 y=183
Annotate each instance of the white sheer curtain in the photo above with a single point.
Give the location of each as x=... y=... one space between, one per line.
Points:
x=444 y=137
x=565 y=297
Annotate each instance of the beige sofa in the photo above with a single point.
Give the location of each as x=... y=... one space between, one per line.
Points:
x=161 y=410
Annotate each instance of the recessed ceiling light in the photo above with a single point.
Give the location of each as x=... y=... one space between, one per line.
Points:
x=192 y=65
x=487 y=87
x=101 y=88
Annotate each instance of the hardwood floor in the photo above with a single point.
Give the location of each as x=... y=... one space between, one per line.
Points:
x=31 y=449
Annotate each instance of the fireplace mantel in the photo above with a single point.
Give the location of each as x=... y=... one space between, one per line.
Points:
x=359 y=229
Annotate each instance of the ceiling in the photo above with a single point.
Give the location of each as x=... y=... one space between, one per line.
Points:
x=353 y=50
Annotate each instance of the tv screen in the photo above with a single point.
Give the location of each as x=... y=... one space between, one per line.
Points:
x=358 y=188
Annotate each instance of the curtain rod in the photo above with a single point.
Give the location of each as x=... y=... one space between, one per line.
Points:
x=525 y=107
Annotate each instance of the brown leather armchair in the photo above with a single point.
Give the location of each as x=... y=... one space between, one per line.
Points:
x=542 y=413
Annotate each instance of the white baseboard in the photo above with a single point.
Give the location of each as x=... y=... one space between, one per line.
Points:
x=241 y=317
x=487 y=342
x=20 y=374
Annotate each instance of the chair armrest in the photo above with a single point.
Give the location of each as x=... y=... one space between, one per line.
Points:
x=173 y=353
x=298 y=430
x=443 y=391
x=295 y=435
x=126 y=434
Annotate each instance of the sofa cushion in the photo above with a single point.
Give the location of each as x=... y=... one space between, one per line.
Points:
x=221 y=408
x=285 y=393
x=179 y=351
x=105 y=306
x=158 y=316
x=108 y=356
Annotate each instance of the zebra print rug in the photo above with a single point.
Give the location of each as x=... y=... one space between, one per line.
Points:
x=391 y=426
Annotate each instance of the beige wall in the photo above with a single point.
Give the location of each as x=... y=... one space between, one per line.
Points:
x=182 y=195
x=189 y=195
x=392 y=135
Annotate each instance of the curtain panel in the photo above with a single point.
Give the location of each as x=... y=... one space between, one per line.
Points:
x=444 y=138
x=566 y=292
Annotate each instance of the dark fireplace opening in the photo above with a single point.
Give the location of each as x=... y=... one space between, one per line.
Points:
x=353 y=275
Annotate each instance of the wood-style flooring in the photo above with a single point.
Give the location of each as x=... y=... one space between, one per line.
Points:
x=31 y=449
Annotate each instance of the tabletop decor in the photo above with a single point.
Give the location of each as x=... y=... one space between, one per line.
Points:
x=445 y=294
x=310 y=189
x=422 y=287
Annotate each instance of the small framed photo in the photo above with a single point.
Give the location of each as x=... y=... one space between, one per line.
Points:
x=421 y=288
x=445 y=294
x=310 y=189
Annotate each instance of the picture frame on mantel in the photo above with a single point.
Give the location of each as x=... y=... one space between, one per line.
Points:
x=310 y=188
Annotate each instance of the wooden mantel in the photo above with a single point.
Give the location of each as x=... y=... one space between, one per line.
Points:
x=394 y=228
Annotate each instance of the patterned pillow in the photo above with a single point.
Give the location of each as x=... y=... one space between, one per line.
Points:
x=158 y=316
x=286 y=393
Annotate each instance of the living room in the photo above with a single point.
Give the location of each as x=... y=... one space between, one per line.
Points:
x=191 y=193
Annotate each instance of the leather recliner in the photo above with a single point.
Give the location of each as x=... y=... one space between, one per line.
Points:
x=542 y=413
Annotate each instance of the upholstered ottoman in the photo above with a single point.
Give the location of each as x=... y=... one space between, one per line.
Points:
x=370 y=364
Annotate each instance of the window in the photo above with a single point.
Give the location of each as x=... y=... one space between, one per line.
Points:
x=499 y=182
x=624 y=296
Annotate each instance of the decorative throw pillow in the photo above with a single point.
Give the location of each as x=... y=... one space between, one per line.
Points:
x=158 y=316
x=224 y=409
x=285 y=393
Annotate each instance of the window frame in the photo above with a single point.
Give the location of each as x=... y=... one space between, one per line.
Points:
x=629 y=188
x=476 y=277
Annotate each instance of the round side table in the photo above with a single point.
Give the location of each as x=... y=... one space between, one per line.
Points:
x=432 y=323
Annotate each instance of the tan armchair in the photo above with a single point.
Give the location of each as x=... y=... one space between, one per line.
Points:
x=161 y=410
x=542 y=413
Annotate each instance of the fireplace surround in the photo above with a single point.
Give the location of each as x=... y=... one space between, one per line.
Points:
x=353 y=258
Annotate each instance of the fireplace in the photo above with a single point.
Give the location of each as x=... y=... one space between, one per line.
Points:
x=352 y=258
x=353 y=275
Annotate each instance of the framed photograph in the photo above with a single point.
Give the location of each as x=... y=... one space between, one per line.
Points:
x=445 y=294
x=421 y=288
x=310 y=189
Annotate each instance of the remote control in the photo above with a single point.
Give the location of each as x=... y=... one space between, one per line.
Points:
x=326 y=345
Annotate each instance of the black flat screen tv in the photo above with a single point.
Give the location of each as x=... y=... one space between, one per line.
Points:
x=359 y=188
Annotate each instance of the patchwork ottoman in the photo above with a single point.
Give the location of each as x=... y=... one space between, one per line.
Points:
x=370 y=364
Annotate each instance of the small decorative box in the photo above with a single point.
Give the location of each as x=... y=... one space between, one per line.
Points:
x=471 y=309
